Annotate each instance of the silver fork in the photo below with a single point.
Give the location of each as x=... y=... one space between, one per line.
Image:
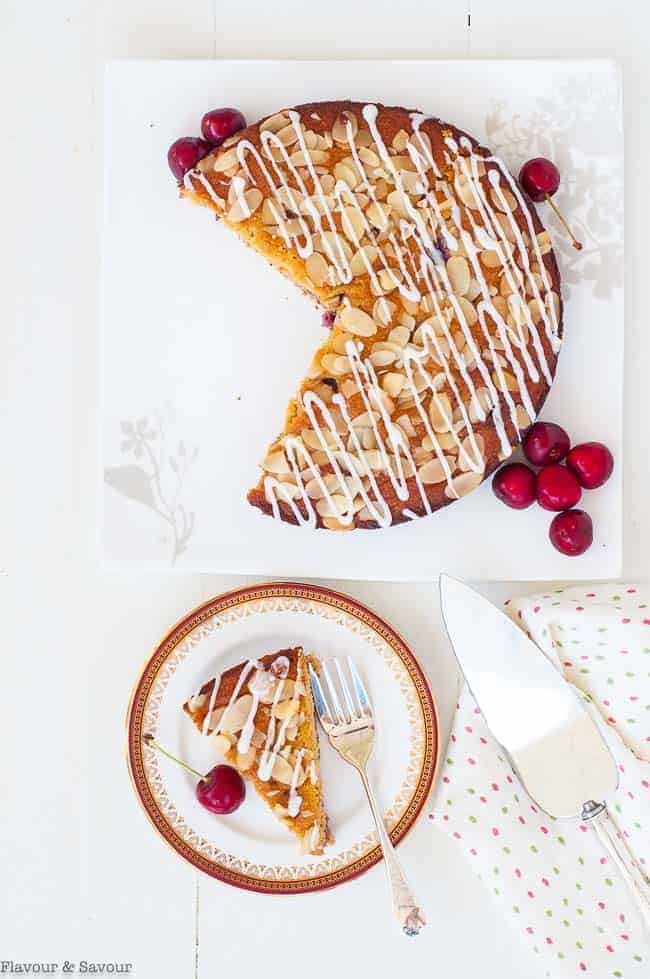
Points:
x=351 y=732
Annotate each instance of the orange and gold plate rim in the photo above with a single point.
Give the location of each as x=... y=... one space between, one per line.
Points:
x=220 y=604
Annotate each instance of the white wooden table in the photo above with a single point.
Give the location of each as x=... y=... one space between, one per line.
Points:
x=83 y=876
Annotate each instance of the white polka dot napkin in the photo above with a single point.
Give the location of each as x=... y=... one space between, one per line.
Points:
x=552 y=878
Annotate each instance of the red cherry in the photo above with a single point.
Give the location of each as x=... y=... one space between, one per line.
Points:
x=185 y=153
x=544 y=443
x=514 y=485
x=219 y=124
x=540 y=179
x=571 y=532
x=557 y=488
x=592 y=462
x=222 y=790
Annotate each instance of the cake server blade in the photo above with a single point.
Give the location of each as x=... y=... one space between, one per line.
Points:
x=552 y=742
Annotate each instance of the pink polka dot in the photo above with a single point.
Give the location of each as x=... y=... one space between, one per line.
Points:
x=521 y=820
x=495 y=787
x=579 y=608
x=583 y=828
x=646 y=621
x=601 y=905
x=495 y=831
x=609 y=948
x=482 y=799
x=626 y=621
x=631 y=591
x=471 y=761
x=549 y=941
x=582 y=966
x=472 y=851
x=517 y=872
x=544 y=830
x=625 y=938
x=457 y=836
x=531 y=895
x=468 y=729
x=590 y=594
x=545 y=882
x=537 y=608
x=529 y=931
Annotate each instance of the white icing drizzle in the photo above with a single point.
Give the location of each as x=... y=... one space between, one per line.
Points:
x=249 y=665
x=423 y=275
x=295 y=799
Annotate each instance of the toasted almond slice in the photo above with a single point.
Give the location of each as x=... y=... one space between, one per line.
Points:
x=224 y=161
x=383 y=311
x=276 y=462
x=393 y=383
x=354 y=320
x=334 y=507
x=245 y=760
x=379 y=215
x=241 y=211
x=400 y=203
x=316 y=268
x=282 y=771
x=459 y=274
x=432 y=472
x=275 y=123
x=222 y=743
x=347 y=174
x=345 y=128
x=353 y=224
x=466 y=462
x=363 y=257
x=463 y=484
x=440 y=413
x=235 y=716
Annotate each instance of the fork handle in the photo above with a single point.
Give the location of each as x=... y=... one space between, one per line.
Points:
x=405 y=908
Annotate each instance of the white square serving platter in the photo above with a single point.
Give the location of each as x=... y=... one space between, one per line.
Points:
x=203 y=343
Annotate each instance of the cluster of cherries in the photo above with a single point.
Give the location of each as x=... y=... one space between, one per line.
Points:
x=221 y=790
x=556 y=487
x=216 y=126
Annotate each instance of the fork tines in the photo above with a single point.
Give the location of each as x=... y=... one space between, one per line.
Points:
x=354 y=706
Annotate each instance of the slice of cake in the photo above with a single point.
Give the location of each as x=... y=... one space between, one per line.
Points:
x=442 y=288
x=260 y=717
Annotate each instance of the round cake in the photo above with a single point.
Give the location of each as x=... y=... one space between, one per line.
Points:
x=440 y=288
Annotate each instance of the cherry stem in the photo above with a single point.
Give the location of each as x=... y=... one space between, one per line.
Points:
x=149 y=741
x=576 y=244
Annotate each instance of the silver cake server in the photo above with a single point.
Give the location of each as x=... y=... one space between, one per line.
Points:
x=553 y=744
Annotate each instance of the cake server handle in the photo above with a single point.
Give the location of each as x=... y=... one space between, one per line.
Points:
x=596 y=815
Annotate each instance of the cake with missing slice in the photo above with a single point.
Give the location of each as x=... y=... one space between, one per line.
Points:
x=444 y=297
x=260 y=716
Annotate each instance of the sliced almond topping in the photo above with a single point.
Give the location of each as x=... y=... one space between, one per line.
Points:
x=354 y=320
x=363 y=258
x=353 y=224
x=383 y=311
x=275 y=123
x=468 y=311
x=459 y=275
x=440 y=413
x=222 y=743
x=432 y=472
x=245 y=760
x=316 y=268
x=334 y=507
x=345 y=128
x=238 y=212
x=490 y=259
x=347 y=174
x=379 y=215
x=224 y=161
x=235 y=716
x=463 y=484
x=276 y=462
x=393 y=384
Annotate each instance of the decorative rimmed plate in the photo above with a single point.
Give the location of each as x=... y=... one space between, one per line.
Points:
x=250 y=848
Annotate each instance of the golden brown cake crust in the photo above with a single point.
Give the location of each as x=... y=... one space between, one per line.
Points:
x=508 y=412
